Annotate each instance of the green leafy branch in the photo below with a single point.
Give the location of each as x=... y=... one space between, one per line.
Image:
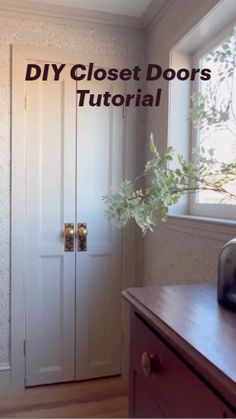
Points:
x=165 y=186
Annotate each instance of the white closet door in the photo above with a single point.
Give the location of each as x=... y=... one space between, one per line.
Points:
x=50 y=202
x=73 y=299
x=99 y=269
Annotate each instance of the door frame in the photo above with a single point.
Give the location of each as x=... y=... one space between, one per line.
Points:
x=21 y=54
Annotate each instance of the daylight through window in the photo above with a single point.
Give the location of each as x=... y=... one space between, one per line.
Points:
x=217 y=121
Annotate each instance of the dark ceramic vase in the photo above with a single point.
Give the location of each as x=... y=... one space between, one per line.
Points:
x=227 y=275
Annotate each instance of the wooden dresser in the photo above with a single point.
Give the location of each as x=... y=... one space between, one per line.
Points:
x=182 y=353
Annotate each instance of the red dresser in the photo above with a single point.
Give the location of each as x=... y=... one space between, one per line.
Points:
x=182 y=353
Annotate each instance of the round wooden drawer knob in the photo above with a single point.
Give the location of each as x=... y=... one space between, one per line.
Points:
x=150 y=363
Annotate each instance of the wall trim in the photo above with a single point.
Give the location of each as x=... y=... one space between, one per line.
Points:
x=5 y=381
x=4 y=366
x=66 y=15
x=154 y=13
x=73 y=15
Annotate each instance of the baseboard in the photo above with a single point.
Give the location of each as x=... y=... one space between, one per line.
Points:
x=5 y=378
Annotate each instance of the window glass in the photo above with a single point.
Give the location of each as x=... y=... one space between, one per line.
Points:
x=218 y=124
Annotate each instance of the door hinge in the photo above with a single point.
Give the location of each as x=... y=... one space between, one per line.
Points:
x=124 y=111
x=24 y=347
x=26 y=102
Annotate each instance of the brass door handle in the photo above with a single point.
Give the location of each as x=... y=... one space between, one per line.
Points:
x=82 y=233
x=69 y=235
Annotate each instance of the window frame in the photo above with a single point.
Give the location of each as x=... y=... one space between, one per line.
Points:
x=224 y=211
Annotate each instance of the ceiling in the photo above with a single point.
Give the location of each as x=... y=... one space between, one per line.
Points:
x=134 y=8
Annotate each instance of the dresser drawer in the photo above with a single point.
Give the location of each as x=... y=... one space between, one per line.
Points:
x=177 y=389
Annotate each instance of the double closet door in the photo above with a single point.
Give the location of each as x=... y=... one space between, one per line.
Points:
x=72 y=254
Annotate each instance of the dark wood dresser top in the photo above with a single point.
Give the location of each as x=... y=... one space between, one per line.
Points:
x=190 y=319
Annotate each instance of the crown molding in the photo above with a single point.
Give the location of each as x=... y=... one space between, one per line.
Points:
x=66 y=15
x=72 y=15
x=154 y=14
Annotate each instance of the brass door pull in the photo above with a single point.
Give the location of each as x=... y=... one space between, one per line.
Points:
x=82 y=233
x=69 y=235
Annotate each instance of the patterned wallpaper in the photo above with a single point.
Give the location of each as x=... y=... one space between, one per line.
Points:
x=94 y=39
x=4 y=200
x=180 y=254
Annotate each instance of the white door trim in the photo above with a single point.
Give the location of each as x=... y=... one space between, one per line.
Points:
x=19 y=56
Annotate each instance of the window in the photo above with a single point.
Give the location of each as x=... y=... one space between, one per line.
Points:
x=218 y=119
x=197 y=45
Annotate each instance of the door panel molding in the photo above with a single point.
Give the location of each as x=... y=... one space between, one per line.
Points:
x=21 y=55
x=50 y=169
x=100 y=266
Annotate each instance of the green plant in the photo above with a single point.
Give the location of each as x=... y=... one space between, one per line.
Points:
x=165 y=186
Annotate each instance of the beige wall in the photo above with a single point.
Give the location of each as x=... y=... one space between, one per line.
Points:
x=177 y=252
x=82 y=37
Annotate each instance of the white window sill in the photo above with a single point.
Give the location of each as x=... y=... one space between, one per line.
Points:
x=216 y=228
x=212 y=220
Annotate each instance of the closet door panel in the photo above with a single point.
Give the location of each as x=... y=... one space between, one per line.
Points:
x=50 y=202
x=99 y=268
